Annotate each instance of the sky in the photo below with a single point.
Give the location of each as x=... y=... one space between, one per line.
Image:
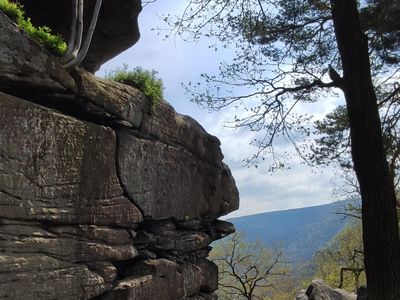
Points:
x=180 y=62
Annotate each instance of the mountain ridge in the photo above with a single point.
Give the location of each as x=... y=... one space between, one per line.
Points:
x=300 y=231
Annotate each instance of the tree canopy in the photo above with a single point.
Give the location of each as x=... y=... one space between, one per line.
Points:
x=341 y=263
x=302 y=51
x=286 y=54
x=247 y=270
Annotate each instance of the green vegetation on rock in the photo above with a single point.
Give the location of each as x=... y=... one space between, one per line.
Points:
x=144 y=80
x=43 y=34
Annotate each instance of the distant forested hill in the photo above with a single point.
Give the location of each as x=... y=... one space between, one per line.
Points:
x=301 y=231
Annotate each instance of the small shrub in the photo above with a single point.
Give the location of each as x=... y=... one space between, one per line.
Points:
x=144 y=80
x=15 y=11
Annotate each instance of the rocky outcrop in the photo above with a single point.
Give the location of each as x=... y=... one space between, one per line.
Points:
x=319 y=290
x=117 y=27
x=100 y=197
x=28 y=68
x=362 y=293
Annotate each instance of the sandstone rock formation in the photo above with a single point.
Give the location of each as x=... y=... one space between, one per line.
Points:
x=100 y=197
x=117 y=27
x=319 y=290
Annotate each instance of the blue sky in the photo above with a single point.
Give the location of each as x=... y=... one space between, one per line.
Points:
x=177 y=62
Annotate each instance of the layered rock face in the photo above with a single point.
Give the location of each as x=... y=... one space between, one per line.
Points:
x=100 y=197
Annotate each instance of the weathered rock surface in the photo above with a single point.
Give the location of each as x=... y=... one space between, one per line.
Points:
x=25 y=66
x=319 y=290
x=114 y=100
x=61 y=169
x=100 y=197
x=167 y=186
x=150 y=279
x=198 y=278
x=117 y=26
x=35 y=276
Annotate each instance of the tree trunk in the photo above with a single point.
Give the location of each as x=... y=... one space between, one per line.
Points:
x=379 y=216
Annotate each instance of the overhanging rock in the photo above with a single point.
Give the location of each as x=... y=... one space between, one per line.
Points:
x=117 y=27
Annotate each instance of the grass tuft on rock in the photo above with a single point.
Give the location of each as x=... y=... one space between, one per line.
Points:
x=43 y=34
x=144 y=80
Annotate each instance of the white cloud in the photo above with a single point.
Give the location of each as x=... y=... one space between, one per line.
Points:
x=293 y=188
